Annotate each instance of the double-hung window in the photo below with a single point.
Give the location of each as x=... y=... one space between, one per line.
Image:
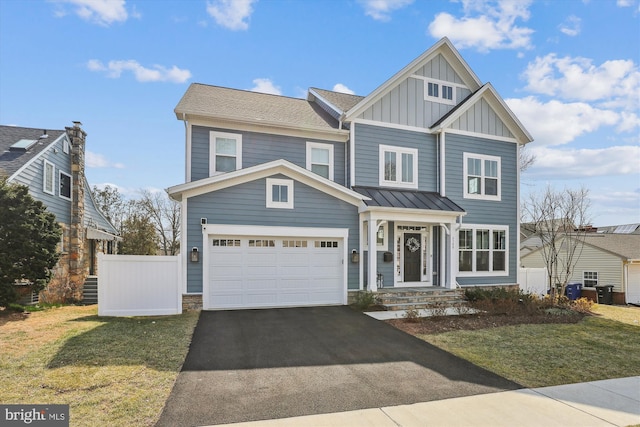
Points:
x=49 y=178
x=482 y=178
x=398 y=167
x=225 y=152
x=483 y=250
x=279 y=193
x=320 y=159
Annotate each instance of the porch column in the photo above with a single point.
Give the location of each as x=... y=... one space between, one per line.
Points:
x=444 y=254
x=372 y=259
x=453 y=257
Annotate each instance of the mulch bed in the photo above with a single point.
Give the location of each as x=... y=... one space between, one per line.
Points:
x=437 y=325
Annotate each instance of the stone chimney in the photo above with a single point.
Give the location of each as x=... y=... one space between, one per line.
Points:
x=77 y=238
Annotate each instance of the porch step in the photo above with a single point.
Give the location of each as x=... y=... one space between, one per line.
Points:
x=90 y=290
x=416 y=299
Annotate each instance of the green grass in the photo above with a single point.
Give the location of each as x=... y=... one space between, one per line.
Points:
x=542 y=355
x=111 y=371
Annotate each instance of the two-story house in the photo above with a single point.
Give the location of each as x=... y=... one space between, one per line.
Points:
x=51 y=164
x=284 y=198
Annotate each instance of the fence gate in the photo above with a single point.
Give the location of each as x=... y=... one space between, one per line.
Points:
x=137 y=285
x=533 y=280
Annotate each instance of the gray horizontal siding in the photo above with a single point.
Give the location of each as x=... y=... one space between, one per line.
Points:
x=481 y=118
x=245 y=204
x=92 y=215
x=258 y=148
x=368 y=140
x=33 y=177
x=504 y=212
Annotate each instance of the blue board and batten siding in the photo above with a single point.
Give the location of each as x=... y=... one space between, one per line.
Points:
x=503 y=212
x=259 y=148
x=369 y=138
x=33 y=177
x=245 y=204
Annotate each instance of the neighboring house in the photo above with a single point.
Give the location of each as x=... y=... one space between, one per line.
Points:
x=607 y=258
x=284 y=197
x=51 y=164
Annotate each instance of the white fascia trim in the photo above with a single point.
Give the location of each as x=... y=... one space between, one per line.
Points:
x=273 y=231
x=444 y=47
x=235 y=125
x=481 y=135
x=265 y=170
x=390 y=125
x=30 y=162
x=324 y=101
x=411 y=215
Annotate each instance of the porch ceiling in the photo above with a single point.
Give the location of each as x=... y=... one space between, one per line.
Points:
x=407 y=199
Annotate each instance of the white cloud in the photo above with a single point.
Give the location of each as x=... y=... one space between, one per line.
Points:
x=624 y=3
x=339 y=87
x=157 y=73
x=487 y=24
x=231 y=14
x=380 y=10
x=557 y=123
x=553 y=163
x=571 y=26
x=95 y=160
x=101 y=12
x=616 y=82
x=265 y=86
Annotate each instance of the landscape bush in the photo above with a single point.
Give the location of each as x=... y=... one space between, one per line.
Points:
x=364 y=299
x=511 y=301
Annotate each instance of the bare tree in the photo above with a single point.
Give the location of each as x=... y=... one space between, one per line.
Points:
x=165 y=216
x=559 y=220
x=112 y=204
x=525 y=158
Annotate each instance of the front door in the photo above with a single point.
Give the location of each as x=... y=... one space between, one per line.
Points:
x=412 y=257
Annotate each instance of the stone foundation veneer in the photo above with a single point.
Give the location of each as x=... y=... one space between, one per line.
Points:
x=191 y=302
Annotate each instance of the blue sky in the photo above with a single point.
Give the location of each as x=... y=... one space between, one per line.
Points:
x=569 y=70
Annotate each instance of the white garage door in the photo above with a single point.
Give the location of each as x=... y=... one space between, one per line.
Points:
x=633 y=284
x=253 y=272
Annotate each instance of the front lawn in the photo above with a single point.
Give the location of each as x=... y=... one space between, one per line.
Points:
x=111 y=371
x=604 y=345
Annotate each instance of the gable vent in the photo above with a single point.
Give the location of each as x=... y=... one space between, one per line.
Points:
x=23 y=145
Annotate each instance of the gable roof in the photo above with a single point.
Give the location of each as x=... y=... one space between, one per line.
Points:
x=341 y=102
x=443 y=47
x=502 y=110
x=624 y=245
x=264 y=170
x=234 y=105
x=12 y=161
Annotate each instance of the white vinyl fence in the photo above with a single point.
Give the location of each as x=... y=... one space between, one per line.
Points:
x=134 y=285
x=533 y=280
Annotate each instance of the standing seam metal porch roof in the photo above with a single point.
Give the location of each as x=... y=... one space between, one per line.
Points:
x=407 y=199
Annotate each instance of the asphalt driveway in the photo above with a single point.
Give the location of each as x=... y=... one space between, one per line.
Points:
x=262 y=364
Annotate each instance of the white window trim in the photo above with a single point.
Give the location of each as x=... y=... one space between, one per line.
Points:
x=319 y=145
x=212 y=150
x=52 y=191
x=70 y=186
x=584 y=279
x=439 y=98
x=399 y=151
x=465 y=168
x=279 y=205
x=65 y=146
x=379 y=246
x=491 y=228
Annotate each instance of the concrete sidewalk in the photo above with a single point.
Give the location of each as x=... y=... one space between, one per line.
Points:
x=599 y=403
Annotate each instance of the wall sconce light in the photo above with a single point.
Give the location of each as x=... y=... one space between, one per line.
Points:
x=195 y=255
x=355 y=256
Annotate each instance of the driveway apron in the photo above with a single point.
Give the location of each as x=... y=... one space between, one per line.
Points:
x=252 y=365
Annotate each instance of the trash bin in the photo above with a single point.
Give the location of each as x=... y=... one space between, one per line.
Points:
x=573 y=291
x=605 y=294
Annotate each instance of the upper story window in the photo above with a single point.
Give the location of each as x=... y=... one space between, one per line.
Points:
x=225 y=152
x=320 y=159
x=398 y=167
x=482 y=177
x=65 y=185
x=279 y=193
x=49 y=178
x=65 y=146
x=439 y=91
x=483 y=250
